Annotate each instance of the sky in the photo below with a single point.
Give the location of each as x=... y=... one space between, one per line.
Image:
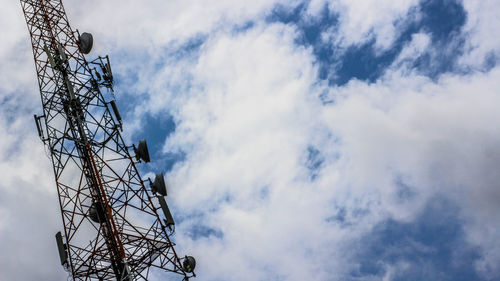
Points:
x=300 y=140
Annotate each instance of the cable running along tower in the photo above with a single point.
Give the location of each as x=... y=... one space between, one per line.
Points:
x=114 y=227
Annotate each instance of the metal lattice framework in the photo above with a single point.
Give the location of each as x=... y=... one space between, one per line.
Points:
x=94 y=170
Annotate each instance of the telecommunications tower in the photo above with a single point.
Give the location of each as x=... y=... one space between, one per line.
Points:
x=114 y=227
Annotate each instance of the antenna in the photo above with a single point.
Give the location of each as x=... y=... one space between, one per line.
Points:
x=113 y=229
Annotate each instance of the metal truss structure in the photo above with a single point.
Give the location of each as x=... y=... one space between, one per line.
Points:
x=112 y=224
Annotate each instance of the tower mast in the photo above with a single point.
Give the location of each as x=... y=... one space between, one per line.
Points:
x=112 y=224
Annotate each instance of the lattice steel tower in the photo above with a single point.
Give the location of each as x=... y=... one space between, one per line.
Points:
x=113 y=229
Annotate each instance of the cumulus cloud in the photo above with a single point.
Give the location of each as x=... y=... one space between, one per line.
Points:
x=15 y=53
x=362 y=21
x=246 y=123
x=419 y=44
x=157 y=23
x=483 y=44
x=246 y=143
x=284 y=177
x=28 y=202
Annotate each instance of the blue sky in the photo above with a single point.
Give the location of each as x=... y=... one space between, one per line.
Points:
x=301 y=140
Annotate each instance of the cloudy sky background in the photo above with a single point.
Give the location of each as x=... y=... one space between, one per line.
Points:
x=301 y=140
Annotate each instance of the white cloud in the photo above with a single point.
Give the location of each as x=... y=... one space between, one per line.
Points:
x=16 y=69
x=419 y=44
x=28 y=204
x=361 y=20
x=243 y=135
x=248 y=125
x=416 y=126
x=482 y=25
x=247 y=110
x=137 y=24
